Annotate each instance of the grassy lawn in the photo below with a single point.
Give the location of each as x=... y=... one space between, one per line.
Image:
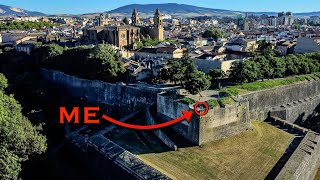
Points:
x=318 y=175
x=249 y=155
x=259 y=85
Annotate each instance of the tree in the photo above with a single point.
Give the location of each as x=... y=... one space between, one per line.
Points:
x=251 y=71
x=213 y=33
x=291 y=65
x=106 y=61
x=236 y=71
x=140 y=45
x=164 y=75
x=125 y=21
x=216 y=73
x=197 y=82
x=19 y=139
x=265 y=68
x=176 y=71
x=278 y=66
x=47 y=54
x=3 y=82
x=304 y=67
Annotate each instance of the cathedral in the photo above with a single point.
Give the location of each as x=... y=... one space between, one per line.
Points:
x=124 y=35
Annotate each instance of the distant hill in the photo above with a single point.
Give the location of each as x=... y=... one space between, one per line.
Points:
x=188 y=10
x=172 y=9
x=13 y=11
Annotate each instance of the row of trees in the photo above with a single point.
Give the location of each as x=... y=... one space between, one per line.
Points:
x=25 y=25
x=185 y=73
x=19 y=139
x=270 y=66
x=101 y=62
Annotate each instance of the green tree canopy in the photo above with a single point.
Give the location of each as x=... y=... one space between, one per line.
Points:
x=213 y=33
x=107 y=61
x=3 y=82
x=197 y=82
x=216 y=73
x=19 y=139
x=185 y=72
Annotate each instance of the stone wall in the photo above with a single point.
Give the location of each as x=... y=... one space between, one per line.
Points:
x=221 y=122
x=261 y=101
x=217 y=124
x=107 y=160
x=158 y=132
x=119 y=96
x=304 y=162
x=297 y=111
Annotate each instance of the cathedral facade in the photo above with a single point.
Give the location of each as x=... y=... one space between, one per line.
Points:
x=123 y=35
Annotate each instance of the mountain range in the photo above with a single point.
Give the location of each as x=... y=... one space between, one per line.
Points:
x=13 y=11
x=147 y=10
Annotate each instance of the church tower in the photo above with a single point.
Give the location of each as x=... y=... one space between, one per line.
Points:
x=158 y=28
x=157 y=18
x=135 y=18
x=102 y=20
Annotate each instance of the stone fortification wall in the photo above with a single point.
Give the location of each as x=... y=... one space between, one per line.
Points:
x=304 y=162
x=297 y=111
x=168 y=109
x=158 y=132
x=118 y=96
x=106 y=159
x=217 y=124
x=221 y=122
x=261 y=101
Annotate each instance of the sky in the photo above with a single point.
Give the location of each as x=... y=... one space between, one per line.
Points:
x=90 y=6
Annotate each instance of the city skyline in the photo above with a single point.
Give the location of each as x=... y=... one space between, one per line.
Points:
x=81 y=6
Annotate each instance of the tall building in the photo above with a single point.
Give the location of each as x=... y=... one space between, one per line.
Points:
x=124 y=35
x=285 y=19
x=273 y=21
x=157 y=30
x=135 y=18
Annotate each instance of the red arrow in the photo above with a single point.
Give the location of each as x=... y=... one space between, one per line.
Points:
x=186 y=116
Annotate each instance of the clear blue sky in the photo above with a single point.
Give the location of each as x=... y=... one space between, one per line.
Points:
x=88 y=6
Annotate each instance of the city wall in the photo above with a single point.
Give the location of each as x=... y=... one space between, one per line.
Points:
x=218 y=123
x=304 y=162
x=107 y=160
x=298 y=111
x=118 y=96
x=260 y=102
x=287 y=102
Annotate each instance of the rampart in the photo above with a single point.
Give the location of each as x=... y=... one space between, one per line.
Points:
x=260 y=102
x=118 y=96
x=218 y=123
x=304 y=162
x=289 y=102
x=102 y=155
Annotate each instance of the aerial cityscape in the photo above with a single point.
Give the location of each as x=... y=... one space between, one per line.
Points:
x=160 y=90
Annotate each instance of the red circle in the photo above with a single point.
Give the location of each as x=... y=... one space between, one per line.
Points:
x=198 y=113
